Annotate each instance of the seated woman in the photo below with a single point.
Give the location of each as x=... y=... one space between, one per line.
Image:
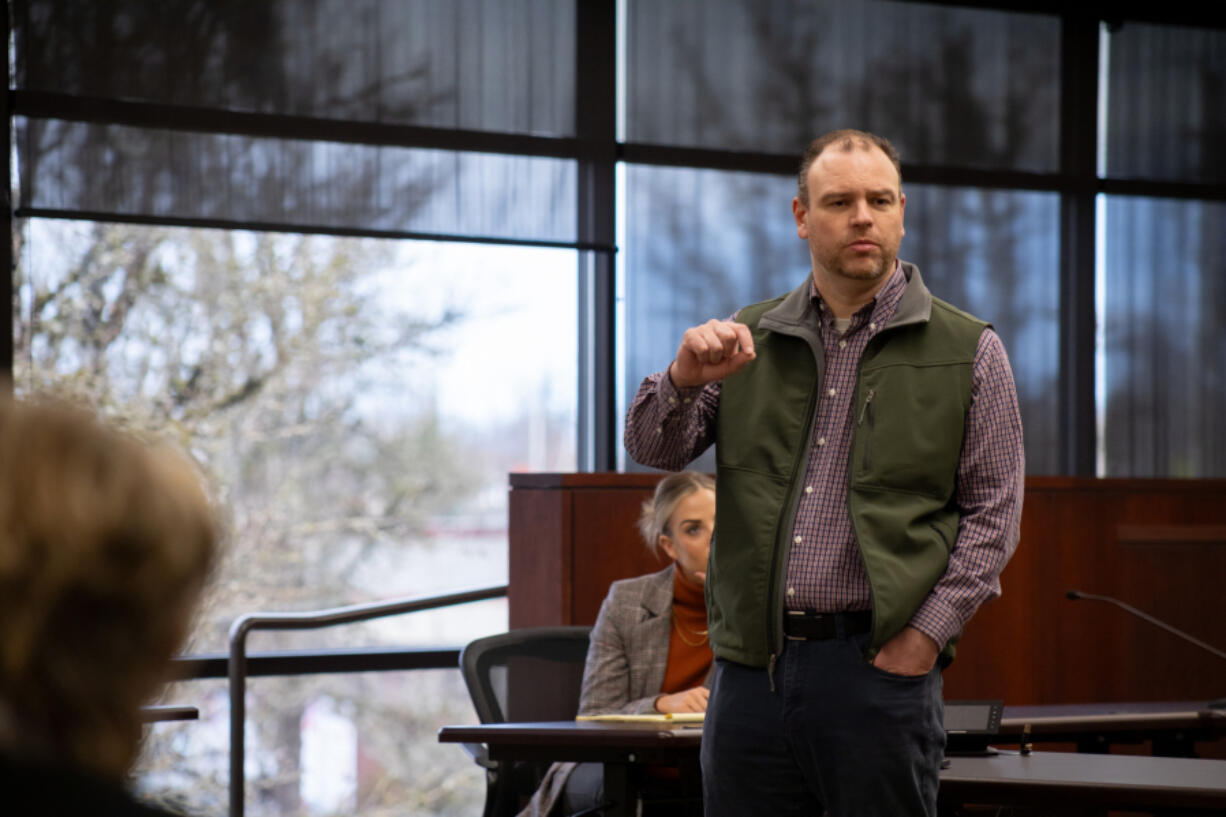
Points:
x=649 y=648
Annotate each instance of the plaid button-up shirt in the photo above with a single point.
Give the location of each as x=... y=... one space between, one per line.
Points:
x=667 y=427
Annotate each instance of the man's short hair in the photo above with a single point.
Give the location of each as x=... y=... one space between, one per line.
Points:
x=845 y=139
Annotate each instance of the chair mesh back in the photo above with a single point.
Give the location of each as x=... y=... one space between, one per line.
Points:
x=533 y=674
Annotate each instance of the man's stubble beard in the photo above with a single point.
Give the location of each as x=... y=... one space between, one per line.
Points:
x=867 y=275
x=876 y=273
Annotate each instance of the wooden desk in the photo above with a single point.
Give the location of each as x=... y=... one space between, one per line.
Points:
x=1125 y=782
x=619 y=746
x=600 y=742
x=1007 y=779
x=1173 y=726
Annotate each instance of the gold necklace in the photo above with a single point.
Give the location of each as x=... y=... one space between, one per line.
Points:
x=681 y=631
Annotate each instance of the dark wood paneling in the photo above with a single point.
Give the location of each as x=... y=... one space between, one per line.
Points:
x=570 y=536
x=540 y=546
x=607 y=546
x=1154 y=544
x=1144 y=542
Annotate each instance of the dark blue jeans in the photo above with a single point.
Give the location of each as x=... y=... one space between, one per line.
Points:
x=836 y=736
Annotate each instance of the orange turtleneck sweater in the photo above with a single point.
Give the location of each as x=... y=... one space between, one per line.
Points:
x=689 y=648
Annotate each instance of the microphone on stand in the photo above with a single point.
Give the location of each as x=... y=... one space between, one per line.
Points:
x=1077 y=595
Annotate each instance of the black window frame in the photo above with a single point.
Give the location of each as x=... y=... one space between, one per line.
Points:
x=597 y=152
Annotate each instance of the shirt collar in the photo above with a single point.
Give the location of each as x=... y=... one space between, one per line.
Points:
x=880 y=309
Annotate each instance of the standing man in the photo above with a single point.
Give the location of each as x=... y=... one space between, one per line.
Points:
x=869 y=482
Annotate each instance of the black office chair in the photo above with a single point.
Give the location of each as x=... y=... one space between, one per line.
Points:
x=530 y=674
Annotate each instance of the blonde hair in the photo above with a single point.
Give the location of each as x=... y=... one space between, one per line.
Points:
x=653 y=519
x=105 y=545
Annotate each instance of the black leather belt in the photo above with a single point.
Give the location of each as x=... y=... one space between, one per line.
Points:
x=805 y=626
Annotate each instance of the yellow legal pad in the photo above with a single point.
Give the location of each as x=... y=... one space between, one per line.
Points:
x=648 y=717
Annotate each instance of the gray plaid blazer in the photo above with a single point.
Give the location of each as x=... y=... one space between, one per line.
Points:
x=629 y=646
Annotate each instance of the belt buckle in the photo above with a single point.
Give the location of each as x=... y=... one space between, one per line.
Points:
x=798 y=614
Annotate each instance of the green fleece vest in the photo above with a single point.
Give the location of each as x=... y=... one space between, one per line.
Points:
x=912 y=393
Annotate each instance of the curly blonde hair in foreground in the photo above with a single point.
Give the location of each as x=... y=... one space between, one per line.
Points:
x=106 y=543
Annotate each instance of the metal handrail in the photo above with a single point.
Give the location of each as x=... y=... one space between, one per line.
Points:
x=324 y=661
x=310 y=620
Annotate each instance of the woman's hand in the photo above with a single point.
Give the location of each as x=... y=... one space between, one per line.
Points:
x=689 y=700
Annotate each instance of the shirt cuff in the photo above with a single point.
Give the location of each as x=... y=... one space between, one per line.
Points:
x=937 y=620
x=676 y=396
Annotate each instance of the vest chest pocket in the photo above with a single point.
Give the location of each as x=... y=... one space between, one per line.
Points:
x=909 y=422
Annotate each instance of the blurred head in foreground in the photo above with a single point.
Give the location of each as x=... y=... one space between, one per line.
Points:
x=105 y=546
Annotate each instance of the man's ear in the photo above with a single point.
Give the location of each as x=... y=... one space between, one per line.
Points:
x=799 y=211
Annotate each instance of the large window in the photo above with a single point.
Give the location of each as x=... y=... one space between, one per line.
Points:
x=358 y=257
x=357 y=404
x=252 y=228
x=1163 y=393
x=1163 y=93
x=950 y=86
x=487 y=65
x=1161 y=388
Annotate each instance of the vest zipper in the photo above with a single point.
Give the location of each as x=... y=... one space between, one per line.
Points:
x=779 y=561
x=867 y=411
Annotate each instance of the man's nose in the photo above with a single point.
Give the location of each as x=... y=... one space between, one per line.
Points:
x=861 y=213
